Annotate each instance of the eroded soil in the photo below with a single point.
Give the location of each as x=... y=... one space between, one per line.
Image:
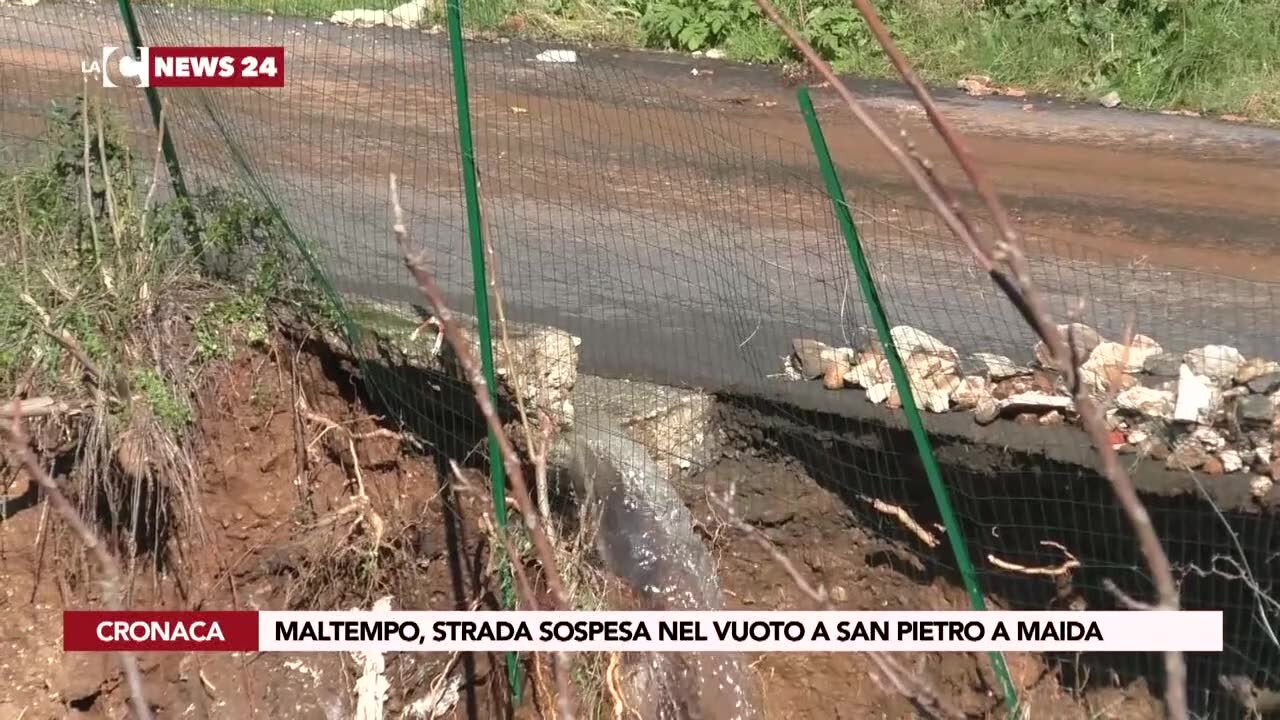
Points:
x=276 y=532
x=274 y=535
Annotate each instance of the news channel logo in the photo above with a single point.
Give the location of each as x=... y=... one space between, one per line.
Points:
x=133 y=72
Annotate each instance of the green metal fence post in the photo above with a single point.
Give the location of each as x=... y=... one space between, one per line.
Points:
x=497 y=473
x=166 y=141
x=901 y=381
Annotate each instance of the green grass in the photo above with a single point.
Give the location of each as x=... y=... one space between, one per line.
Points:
x=1211 y=56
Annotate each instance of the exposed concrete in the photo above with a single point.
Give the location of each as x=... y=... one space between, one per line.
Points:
x=535 y=363
x=675 y=425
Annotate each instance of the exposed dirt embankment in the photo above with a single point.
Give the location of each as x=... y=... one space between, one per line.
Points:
x=1044 y=531
x=279 y=530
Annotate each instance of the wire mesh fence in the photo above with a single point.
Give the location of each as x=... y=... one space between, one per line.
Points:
x=686 y=249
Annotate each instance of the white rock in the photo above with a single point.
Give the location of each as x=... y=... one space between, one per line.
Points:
x=934 y=400
x=945 y=383
x=1127 y=358
x=1194 y=395
x=1255 y=368
x=999 y=367
x=1110 y=100
x=410 y=14
x=1263 y=453
x=557 y=56
x=1218 y=362
x=845 y=355
x=1147 y=401
x=923 y=365
x=1081 y=337
x=871 y=370
x=970 y=392
x=879 y=392
x=1260 y=485
x=1231 y=461
x=1038 y=400
x=361 y=18
x=1208 y=437
x=715 y=54
x=909 y=340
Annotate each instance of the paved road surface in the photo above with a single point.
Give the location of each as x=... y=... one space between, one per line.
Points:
x=676 y=221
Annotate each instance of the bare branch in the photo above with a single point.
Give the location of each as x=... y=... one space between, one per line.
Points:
x=1063 y=568
x=415 y=261
x=19 y=448
x=1016 y=283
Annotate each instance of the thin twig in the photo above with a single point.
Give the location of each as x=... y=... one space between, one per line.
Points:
x=155 y=178
x=19 y=448
x=88 y=185
x=1016 y=283
x=1063 y=568
x=113 y=213
x=537 y=448
x=416 y=262
x=565 y=697
x=65 y=339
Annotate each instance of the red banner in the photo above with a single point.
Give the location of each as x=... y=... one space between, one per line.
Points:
x=163 y=631
x=213 y=66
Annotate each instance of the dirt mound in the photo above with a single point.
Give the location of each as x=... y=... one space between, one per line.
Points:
x=309 y=501
x=282 y=528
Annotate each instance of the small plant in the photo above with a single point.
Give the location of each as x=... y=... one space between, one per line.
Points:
x=696 y=24
x=173 y=411
x=97 y=304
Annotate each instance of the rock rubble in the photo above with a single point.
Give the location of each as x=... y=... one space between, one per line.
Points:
x=1209 y=410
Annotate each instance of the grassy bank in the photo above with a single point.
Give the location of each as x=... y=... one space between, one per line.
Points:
x=1211 y=56
x=113 y=305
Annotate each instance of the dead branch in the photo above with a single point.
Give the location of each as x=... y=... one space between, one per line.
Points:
x=416 y=262
x=361 y=501
x=65 y=339
x=911 y=687
x=148 y=200
x=1006 y=263
x=905 y=518
x=19 y=448
x=565 y=701
x=36 y=407
x=1064 y=568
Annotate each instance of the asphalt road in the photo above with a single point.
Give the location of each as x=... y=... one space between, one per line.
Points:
x=677 y=221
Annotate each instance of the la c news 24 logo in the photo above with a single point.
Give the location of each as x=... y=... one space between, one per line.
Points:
x=172 y=66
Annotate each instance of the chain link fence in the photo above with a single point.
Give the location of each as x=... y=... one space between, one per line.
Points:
x=686 y=250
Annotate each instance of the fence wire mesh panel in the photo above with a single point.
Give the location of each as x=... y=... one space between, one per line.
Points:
x=657 y=257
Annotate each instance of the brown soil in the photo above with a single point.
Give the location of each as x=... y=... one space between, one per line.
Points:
x=264 y=543
x=270 y=482
x=812 y=526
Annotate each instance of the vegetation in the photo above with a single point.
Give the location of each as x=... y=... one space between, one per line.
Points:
x=1215 y=56
x=109 y=313
x=1206 y=55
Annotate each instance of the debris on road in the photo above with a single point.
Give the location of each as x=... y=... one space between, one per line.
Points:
x=1110 y=100
x=1209 y=409
x=406 y=16
x=981 y=86
x=557 y=56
